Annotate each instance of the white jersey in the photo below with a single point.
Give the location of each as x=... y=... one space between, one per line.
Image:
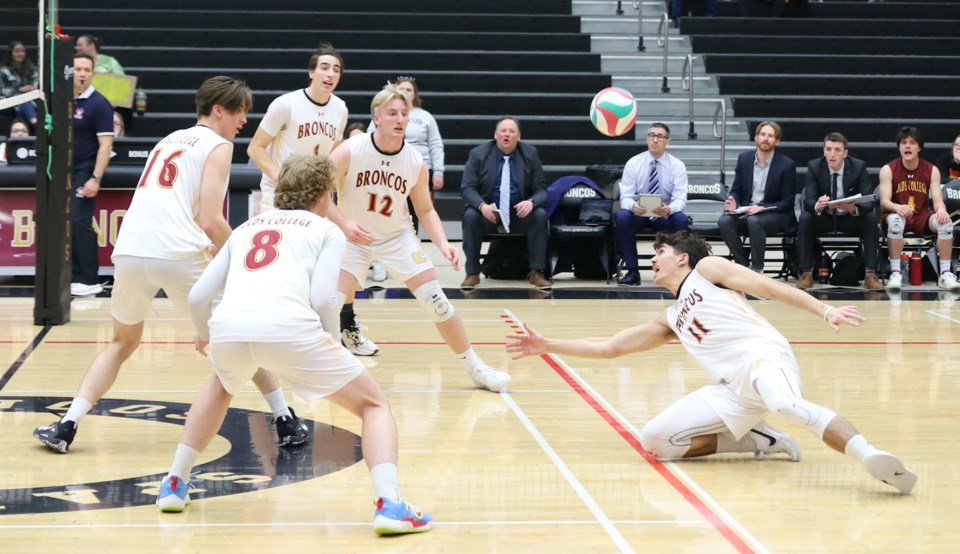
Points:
x=301 y=126
x=375 y=189
x=720 y=329
x=267 y=297
x=161 y=221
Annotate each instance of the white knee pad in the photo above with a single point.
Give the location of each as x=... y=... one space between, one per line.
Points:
x=341 y=298
x=792 y=407
x=945 y=231
x=894 y=226
x=432 y=298
x=658 y=442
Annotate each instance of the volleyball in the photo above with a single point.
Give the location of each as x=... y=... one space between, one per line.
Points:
x=613 y=111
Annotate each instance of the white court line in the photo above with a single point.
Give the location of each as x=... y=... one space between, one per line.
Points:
x=340 y=524
x=715 y=506
x=938 y=314
x=568 y=475
x=679 y=473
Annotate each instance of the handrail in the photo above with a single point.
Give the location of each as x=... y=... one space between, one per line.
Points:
x=638 y=5
x=662 y=31
x=619 y=7
x=721 y=113
x=686 y=82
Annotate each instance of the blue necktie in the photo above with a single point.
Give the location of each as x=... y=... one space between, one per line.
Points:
x=654 y=180
x=505 y=193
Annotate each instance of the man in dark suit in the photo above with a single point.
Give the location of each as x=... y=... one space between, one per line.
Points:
x=763 y=195
x=828 y=178
x=503 y=184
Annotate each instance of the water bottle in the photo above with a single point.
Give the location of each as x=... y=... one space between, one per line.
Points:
x=916 y=269
x=905 y=266
x=823 y=268
x=141 y=101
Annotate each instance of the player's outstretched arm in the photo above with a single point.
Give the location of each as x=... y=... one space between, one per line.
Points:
x=635 y=339
x=721 y=271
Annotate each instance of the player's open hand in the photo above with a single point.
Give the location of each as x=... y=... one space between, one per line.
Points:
x=356 y=233
x=529 y=343
x=200 y=344
x=452 y=254
x=848 y=315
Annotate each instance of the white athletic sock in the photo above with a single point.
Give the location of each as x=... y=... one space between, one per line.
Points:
x=894 y=266
x=78 y=408
x=944 y=266
x=183 y=462
x=384 y=477
x=726 y=443
x=470 y=360
x=278 y=404
x=858 y=448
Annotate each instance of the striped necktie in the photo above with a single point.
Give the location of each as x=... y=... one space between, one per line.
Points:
x=654 y=187
x=505 y=192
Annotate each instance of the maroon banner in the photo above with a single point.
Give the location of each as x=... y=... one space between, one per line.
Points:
x=17 y=229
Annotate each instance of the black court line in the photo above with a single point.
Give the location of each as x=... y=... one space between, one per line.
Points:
x=15 y=366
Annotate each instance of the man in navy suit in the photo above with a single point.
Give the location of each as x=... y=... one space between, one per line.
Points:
x=764 y=189
x=503 y=185
x=820 y=187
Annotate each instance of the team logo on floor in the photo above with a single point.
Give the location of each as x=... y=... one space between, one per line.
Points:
x=253 y=462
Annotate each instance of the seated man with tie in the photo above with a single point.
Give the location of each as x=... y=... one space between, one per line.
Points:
x=761 y=200
x=653 y=172
x=503 y=183
x=831 y=177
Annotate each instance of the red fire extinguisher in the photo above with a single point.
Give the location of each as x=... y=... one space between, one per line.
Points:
x=916 y=269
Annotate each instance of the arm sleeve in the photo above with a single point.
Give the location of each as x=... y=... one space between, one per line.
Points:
x=865 y=187
x=678 y=198
x=208 y=287
x=435 y=143
x=277 y=115
x=629 y=185
x=788 y=186
x=104 y=118
x=810 y=191
x=323 y=285
x=8 y=84
x=470 y=181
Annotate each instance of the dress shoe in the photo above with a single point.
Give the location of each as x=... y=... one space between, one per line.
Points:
x=806 y=281
x=872 y=283
x=540 y=281
x=471 y=281
x=631 y=278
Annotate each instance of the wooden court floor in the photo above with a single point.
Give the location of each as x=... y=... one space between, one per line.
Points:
x=552 y=466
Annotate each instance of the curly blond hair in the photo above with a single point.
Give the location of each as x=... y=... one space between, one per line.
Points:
x=302 y=180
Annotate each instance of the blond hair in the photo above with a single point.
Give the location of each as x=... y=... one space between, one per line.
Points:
x=303 y=179
x=389 y=92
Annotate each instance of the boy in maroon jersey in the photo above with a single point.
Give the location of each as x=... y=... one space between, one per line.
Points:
x=909 y=186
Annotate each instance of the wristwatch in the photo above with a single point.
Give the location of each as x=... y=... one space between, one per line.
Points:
x=96 y=177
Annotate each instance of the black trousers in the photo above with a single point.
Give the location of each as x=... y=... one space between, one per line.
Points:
x=866 y=226
x=535 y=226
x=757 y=227
x=85 y=251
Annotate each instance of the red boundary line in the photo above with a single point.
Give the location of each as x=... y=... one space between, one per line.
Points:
x=732 y=536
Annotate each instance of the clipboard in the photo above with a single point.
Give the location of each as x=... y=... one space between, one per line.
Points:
x=650 y=202
x=856 y=199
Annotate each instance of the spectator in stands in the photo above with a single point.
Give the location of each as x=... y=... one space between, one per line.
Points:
x=654 y=172
x=18 y=74
x=424 y=136
x=833 y=176
x=762 y=198
x=949 y=163
x=503 y=183
x=119 y=129
x=908 y=187
x=18 y=129
x=92 y=146
x=355 y=129
x=102 y=63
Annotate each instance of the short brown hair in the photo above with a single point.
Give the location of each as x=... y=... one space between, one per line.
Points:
x=231 y=94
x=302 y=180
x=911 y=132
x=324 y=49
x=836 y=137
x=417 y=102
x=684 y=242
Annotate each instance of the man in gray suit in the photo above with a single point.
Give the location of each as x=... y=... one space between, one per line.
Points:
x=503 y=186
x=833 y=176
